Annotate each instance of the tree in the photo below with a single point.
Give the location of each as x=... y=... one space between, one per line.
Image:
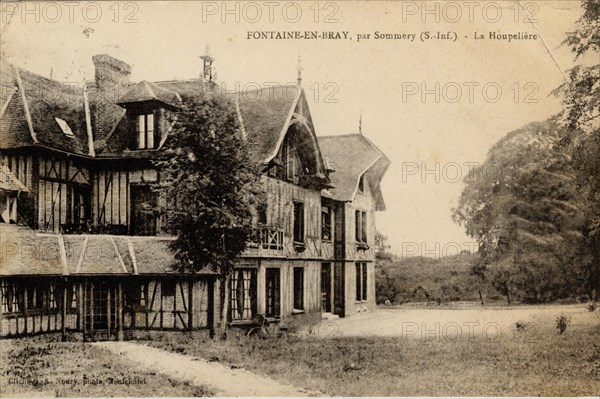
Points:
x=525 y=210
x=210 y=186
x=581 y=104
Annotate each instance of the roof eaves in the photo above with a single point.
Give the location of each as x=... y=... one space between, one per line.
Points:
x=285 y=126
x=88 y=122
x=25 y=105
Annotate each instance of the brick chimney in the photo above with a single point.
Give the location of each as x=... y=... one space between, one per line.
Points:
x=111 y=73
x=112 y=79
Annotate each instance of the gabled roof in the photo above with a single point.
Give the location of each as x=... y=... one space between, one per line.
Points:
x=265 y=115
x=8 y=181
x=30 y=107
x=351 y=156
x=146 y=91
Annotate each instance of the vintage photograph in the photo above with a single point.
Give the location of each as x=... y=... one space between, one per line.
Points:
x=299 y=198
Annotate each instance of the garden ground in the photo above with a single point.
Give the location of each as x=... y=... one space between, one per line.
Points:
x=455 y=351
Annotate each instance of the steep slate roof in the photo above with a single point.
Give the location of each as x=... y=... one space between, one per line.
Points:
x=146 y=91
x=264 y=114
x=8 y=181
x=366 y=158
x=29 y=112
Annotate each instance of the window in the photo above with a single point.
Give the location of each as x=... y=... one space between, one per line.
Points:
x=361 y=281
x=298 y=222
x=167 y=288
x=326 y=223
x=360 y=226
x=243 y=294
x=136 y=293
x=298 y=288
x=145 y=130
x=361 y=184
x=272 y=292
x=262 y=214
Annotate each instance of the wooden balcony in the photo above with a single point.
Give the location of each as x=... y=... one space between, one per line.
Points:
x=266 y=241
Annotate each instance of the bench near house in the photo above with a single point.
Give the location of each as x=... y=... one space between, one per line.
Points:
x=82 y=252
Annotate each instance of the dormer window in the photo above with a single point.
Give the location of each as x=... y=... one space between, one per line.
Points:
x=145 y=131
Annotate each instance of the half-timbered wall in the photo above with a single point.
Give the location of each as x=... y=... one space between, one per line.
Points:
x=111 y=201
x=280 y=197
x=165 y=305
x=34 y=306
x=63 y=193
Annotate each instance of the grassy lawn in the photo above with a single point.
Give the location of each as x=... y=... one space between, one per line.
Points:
x=73 y=369
x=527 y=363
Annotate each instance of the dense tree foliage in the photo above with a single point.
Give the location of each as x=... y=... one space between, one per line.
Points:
x=524 y=207
x=210 y=183
x=534 y=205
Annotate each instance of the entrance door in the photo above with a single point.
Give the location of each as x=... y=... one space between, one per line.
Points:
x=273 y=289
x=100 y=310
x=143 y=204
x=338 y=289
x=326 y=287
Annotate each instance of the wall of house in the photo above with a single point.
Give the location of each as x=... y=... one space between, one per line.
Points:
x=111 y=201
x=352 y=305
x=312 y=285
x=164 y=312
x=30 y=306
x=363 y=202
x=280 y=197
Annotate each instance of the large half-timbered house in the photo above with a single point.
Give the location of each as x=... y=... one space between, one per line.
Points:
x=84 y=250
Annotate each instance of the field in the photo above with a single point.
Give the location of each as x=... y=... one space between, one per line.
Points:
x=351 y=360
x=42 y=367
x=405 y=352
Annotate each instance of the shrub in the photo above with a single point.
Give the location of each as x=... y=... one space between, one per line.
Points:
x=562 y=322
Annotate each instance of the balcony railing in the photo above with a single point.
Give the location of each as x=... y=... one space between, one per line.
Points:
x=266 y=237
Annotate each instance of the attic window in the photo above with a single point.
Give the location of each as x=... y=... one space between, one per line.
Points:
x=145 y=131
x=361 y=184
x=64 y=126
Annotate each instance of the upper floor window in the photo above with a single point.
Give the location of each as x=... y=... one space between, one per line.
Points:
x=360 y=226
x=326 y=223
x=361 y=184
x=145 y=131
x=298 y=222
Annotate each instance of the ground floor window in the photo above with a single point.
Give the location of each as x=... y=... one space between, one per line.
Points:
x=299 y=288
x=243 y=297
x=137 y=293
x=272 y=285
x=361 y=281
x=18 y=297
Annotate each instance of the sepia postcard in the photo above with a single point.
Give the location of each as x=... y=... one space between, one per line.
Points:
x=300 y=198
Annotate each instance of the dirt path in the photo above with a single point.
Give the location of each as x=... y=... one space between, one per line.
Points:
x=439 y=322
x=225 y=380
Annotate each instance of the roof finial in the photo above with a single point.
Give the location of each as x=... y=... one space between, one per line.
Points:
x=300 y=70
x=51 y=73
x=209 y=73
x=360 y=123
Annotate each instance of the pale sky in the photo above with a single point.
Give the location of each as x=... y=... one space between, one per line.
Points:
x=429 y=143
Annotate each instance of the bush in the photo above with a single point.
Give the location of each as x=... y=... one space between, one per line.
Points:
x=562 y=322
